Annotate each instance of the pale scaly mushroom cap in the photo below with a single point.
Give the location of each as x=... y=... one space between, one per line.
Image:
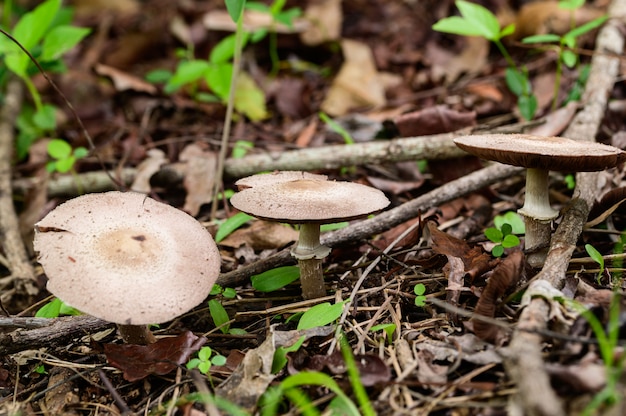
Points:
x=126 y=258
x=538 y=152
x=310 y=201
x=276 y=177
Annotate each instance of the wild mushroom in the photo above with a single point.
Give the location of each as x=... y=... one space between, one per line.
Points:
x=540 y=155
x=310 y=203
x=127 y=259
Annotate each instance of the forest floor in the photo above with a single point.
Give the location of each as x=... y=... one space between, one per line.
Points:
x=436 y=323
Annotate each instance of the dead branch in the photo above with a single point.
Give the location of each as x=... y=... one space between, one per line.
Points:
x=535 y=395
x=22 y=273
x=55 y=332
x=381 y=222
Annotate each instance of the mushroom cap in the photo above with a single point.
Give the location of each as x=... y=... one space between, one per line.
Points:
x=276 y=177
x=310 y=201
x=126 y=258
x=538 y=152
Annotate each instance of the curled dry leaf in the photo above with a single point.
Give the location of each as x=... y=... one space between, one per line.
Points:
x=160 y=358
x=505 y=275
x=434 y=120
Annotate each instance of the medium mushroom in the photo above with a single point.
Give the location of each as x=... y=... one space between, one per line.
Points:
x=539 y=155
x=127 y=259
x=310 y=203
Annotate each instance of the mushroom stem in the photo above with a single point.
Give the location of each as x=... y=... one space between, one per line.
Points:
x=538 y=215
x=136 y=334
x=310 y=253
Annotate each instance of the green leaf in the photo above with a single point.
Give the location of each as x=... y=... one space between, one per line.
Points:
x=480 y=18
x=193 y=363
x=288 y=16
x=476 y=21
x=240 y=148
x=527 y=106
x=187 y=72
x=235 y=8
x=320 y=315
x=569 y=58
x=80 y=152
x=229 y=293
x=249 y=98
x=230 y=225
x=218 y=360
x=205 y=353
x=419 y=289
x=571 y=4
x=334 y=226
x=512 y=218
x=45 y=118
x=258 y=7
x=218 y=78
x=547 y=38
x=497 y=251
x=510 y=240
x=29 y=31
x=158 y=76
x=219 y=315
x=280 y=355
x=59 y=149
x=60 y=40
x=516 y=81
x=50 y=310
x=204 y=366
x=493 y=234
x=508 y=30
x=65 y=165
x=337 y=128
x=595 y=255
x=506 y=229
x=224 y=51
x=275 y=279
x=587 y=27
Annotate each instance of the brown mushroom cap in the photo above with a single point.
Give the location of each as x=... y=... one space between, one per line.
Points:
x=549 y=153
x=126 y=258
x=310 y=201
x=276 y=177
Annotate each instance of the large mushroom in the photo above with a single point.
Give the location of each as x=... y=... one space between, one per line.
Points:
x=310 y=203
x=127 y=259
x=540 y=155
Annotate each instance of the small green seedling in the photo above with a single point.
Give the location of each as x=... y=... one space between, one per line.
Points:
x=389 y=329
x=241 y=148
x=64 y=157
x=218 y=312
x=203 y=362
x=565 y=49
x=597 y=257
x=476 y=20
x=55 y=308
x=513 y=219
x=46 y=32
x=504 y=238
x=420 y=297
x=278 y=15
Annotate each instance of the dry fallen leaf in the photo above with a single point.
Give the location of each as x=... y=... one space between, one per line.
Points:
x=357 y=84
x=123 y=81
x=148 y=167
x=262 y=235
x=200 y=167
x=160 y=358
x=325 y=18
